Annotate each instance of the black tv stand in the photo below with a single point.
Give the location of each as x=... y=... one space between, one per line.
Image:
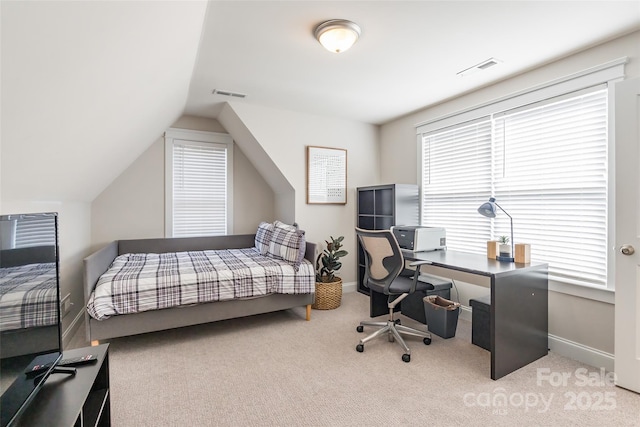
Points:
x=79 y=400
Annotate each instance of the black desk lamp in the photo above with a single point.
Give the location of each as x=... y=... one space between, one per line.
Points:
x=488 y=209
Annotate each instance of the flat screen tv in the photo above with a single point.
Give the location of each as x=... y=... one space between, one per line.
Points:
x=30 y=329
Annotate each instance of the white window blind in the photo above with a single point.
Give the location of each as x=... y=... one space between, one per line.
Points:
x=456 y=178
x=199 y=188
x=35 y=232
x=546 y=164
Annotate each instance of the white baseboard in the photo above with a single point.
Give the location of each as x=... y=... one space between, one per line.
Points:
x=465 y=313
x=582 y=353
x=349 y=287
x=73 y=327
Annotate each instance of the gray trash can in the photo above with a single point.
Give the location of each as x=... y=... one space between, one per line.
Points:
x=442 y=315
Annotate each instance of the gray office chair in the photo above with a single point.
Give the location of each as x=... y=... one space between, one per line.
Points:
x=384 y=264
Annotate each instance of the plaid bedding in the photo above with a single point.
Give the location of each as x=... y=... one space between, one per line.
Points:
x=28 y=296
x=143 y=282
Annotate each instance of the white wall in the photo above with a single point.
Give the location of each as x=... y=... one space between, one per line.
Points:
x=587 y=323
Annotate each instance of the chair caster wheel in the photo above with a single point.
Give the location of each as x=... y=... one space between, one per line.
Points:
x=398 y=322
x=426 y=341
x=406 y=358
x=360 y=348
x=360 y=328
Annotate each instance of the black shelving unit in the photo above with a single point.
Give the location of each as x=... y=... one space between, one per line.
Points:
x=382 y=206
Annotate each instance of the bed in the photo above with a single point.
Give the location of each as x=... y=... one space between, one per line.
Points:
x=190 y=309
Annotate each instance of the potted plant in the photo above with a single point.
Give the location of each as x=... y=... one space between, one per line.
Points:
x=328 y=285
x=505 y=247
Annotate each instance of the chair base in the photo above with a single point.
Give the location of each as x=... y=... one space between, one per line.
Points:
x=394 y=330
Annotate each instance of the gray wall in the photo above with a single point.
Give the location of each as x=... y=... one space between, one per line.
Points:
x=284 y=136
x=74 y=235
x=133 y=205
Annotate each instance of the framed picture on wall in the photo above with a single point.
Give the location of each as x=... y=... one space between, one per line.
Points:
x=326 y=175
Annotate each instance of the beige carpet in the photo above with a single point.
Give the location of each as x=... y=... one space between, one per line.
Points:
x=279 y=370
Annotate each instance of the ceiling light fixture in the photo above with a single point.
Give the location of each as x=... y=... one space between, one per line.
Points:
x=337 y=35
x=479 y=67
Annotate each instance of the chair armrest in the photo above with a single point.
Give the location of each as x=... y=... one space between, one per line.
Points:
x=416 y=275
x=419 y=263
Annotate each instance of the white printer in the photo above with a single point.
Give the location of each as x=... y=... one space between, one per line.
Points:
x=417 y=238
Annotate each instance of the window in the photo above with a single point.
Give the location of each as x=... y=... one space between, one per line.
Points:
x=198 y=183
x=34 y=231
x=545 y=162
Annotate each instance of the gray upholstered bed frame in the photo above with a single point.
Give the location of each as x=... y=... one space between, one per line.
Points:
x=139 y=323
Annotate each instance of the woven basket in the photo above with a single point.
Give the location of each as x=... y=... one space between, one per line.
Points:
x=328 y=295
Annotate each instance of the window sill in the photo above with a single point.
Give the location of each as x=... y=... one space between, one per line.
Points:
x=596 y=294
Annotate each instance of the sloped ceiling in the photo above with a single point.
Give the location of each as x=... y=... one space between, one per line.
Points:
x=87 y=87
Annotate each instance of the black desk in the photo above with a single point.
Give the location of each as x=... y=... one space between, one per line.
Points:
x=519 y=304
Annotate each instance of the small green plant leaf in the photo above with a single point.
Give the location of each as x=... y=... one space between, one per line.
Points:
x=329 y=258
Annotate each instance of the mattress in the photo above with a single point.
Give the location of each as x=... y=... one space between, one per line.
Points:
x=138 y=282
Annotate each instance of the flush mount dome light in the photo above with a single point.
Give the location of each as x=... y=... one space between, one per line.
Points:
x=337 y=35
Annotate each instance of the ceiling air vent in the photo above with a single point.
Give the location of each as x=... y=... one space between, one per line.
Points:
x=479 y=67
x=228 y=93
